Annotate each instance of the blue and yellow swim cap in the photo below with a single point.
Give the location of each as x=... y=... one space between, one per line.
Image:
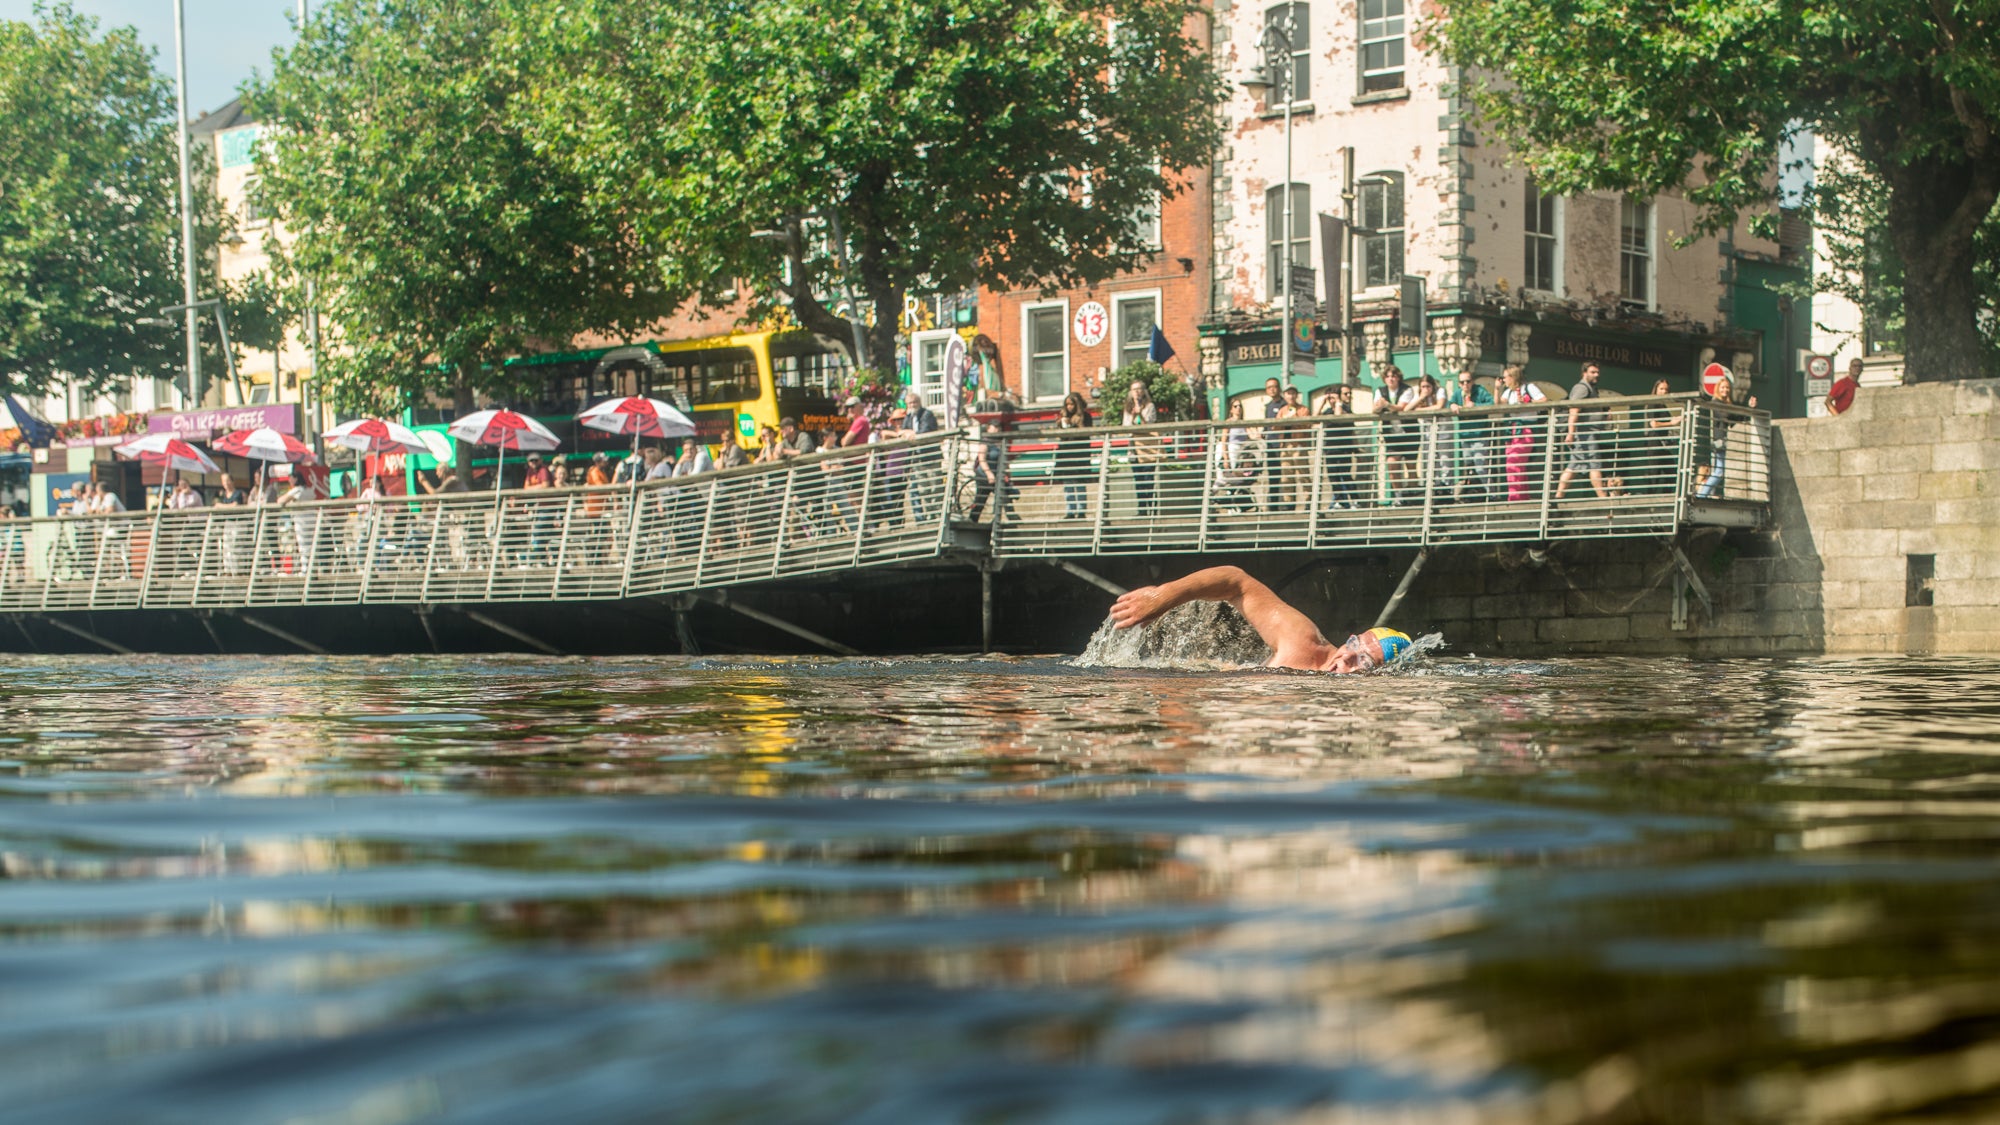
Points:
x=1393 y=643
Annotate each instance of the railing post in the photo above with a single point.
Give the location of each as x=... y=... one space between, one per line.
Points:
x=947 y=452
x=209 y=540
x=1427 y=453
x=1684 y=471
x=372 y=536
x=785 y=516
x=707 y=523
x=1103 y=494
x=861 y=517
x=97 y=561
x=1315 y=465
x=430 y=548
x=1548 y=471
x=1210 y=473
x=256 y=546
x=631 y=540
x=306 y=563
x=562 y=544
x=152 y=555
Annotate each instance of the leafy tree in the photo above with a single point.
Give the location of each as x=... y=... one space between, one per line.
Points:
x=441 y=242
x=89 y=206
x=801 y=146
x=264 y=307
x=1646 y=95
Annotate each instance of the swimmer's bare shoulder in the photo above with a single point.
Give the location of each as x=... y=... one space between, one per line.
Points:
x=1294 y=640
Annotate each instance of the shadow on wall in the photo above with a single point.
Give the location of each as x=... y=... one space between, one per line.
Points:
x=1777 y=585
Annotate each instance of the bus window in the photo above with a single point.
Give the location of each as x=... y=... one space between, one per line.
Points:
x=707 y=376
x=799 y=360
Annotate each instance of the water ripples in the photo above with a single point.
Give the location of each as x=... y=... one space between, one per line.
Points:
x=987 y=889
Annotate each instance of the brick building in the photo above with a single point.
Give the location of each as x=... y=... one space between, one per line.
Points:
x=1071 y=339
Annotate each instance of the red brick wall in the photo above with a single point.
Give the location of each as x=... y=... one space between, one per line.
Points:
x=1180 y=271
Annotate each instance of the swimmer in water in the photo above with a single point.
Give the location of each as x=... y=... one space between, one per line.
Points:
x=1295 y=641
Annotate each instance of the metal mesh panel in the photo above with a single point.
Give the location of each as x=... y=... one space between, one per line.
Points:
x=1323 y=483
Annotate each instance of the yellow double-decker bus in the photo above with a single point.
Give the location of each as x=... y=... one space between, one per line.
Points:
x=729 y=384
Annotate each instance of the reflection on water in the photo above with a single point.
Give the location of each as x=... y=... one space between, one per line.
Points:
x=976 y=890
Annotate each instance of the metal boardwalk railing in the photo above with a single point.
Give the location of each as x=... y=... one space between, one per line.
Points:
x=1322 y=483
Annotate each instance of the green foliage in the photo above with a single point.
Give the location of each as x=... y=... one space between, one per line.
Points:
x=1650 y=95
x=263 y=309
x=89 y=206
x=1171 y=393
x=900 y=146
x=441 y=241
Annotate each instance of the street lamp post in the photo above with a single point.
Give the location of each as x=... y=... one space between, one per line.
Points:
x=187 y=211
x=1280 y=75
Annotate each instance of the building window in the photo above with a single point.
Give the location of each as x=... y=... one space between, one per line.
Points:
x=931 y=349
x=1301 y=38
x=1380 y=231
x=1275 y=241
x=1045 y=332
x=1381 y=45
x=1134 y=318
x=253 y=208
x=1635 y=253
x=1539 y=213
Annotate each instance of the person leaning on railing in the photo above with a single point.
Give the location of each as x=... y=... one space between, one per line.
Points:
x=1146 y=448
x=1662 y=439
x=990 y=468
x=1720 y=422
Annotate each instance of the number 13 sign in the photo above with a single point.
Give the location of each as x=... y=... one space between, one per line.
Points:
x=1091 y=324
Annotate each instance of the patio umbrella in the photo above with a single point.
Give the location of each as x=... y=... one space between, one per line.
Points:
x=263 y=444
x=169 y=452
x=374 y=435
x=505 y=429
x=639 y=416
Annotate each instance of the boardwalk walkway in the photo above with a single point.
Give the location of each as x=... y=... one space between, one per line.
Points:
x=1324 y=484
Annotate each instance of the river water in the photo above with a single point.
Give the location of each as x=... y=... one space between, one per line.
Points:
x=729 y=890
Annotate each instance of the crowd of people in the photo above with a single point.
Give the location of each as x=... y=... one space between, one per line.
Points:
x=1422 y=438
x=1426 y=441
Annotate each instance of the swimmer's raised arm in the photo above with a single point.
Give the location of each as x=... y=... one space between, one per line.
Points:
x=1295 y=641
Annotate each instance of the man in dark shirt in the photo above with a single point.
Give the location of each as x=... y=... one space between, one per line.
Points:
x=794 y=442
x=1585 y=425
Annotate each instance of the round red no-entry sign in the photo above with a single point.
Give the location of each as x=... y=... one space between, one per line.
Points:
x=1712 y=377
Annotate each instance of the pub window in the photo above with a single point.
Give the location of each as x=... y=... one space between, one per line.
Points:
x=1275 y=241
x=1045 y=329
x=1381 y=45
x=1380 y=234
x=1635 y=253
x=1135 y=318
x=1301 y=40
x=1542 y=246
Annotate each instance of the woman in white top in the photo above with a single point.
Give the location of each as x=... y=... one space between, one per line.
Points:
x=1517 y=391
x=1146 y=451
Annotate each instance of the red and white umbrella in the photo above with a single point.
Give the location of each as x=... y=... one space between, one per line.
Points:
x=264 y=444
x=505 y=429
x=639 y=416
x=170 y=451
x=375 y=435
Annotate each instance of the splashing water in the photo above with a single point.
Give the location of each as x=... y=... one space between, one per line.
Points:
x=1204 y=635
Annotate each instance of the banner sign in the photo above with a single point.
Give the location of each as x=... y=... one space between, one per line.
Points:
x=200 y=425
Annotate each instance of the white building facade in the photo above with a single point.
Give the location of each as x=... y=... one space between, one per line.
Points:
x=1382 y=138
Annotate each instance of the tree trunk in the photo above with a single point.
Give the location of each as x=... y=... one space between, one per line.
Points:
x=882 y=334
x=1935 y=207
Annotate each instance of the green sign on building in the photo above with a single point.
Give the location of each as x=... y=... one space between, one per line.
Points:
x=239 y=147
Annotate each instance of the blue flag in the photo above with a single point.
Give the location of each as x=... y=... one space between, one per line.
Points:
x=1159 y=351
x=37 y=432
